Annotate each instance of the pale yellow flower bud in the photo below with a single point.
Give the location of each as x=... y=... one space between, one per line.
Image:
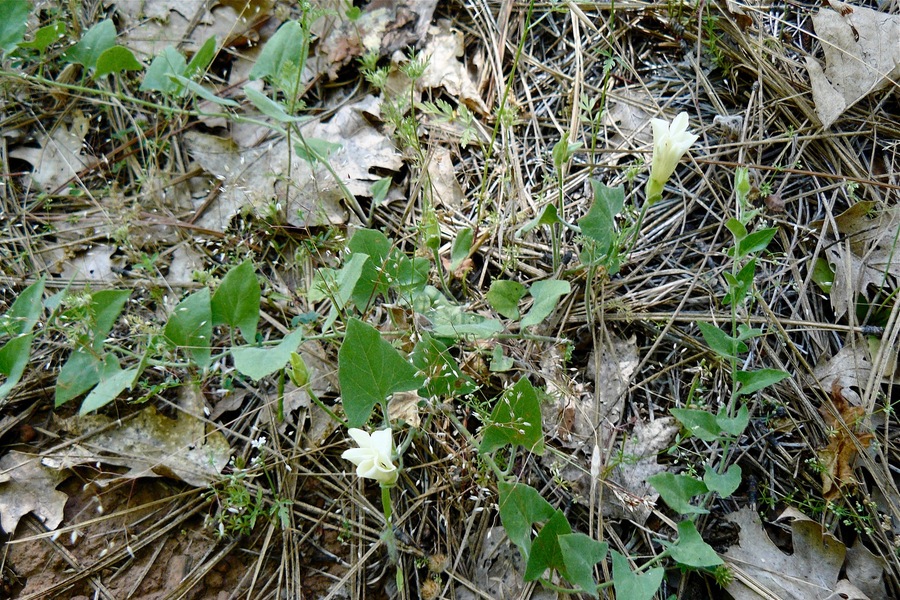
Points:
x=670 y=142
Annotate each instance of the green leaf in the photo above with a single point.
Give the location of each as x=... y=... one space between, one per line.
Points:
x=745 y=332
x=236 y=301
x=13 y=21
x=720 y=342
x=741 y=285
x=158 y=78
x=690 y=550
x=632 y=586
x=201 y=91
x=257 y=363
x=375 y=275
x=449 y=320
x=116 y=60
x=580 y=553
x=742 y=184
x=753 y=381
x=45 y=36
x=700 y=423
x=299 y=372
x=285 y=46
x=823 y=275
x=500 y=363
x=548 y=216
x=106 y=306
x=756 y=241
x=202 y=59
x=677 y=491
x=82 y=371
x=563 y=151
x=737 y=229
x=96 y=40
x=270 y=108
x=369 y=370
x=108 y=389
x=546 y=295
x=25 y=311
x=461 y=247
x=380 y=190
x=504 y=297
x=724 y=484
x=515 y=420
x=409 y=275
x=521 y=506
x=545 y=550
x=314 y=150
x=337 y=285
x=190 y=327
x=14 y=357
x=599 y=224
x=443 y=377
x=735 y=426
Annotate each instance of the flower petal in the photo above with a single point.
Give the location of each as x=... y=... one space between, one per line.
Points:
x=362 y=439
x=383 y=443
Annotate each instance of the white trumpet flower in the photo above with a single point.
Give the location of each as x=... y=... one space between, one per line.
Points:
x=670 y=142
x=373 y=457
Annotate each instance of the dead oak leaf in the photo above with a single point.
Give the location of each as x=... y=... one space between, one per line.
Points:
x=276 y=174
x=857 y=59
x=26 y=486
x=811 y=572
x=838 y=457
x=862 y=252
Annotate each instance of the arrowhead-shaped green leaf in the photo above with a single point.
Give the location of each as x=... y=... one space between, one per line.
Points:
x=369 y=370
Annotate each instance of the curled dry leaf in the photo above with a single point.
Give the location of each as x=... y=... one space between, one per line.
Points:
x=149 y=444
x=858 y=61
x=445 y=70
x=628 y=495
x=848 y=436
x=383 y=27
x=27 y=486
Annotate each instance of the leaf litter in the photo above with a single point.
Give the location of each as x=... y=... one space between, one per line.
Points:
x=269 y=173
x=811 y=572
x=638 y=435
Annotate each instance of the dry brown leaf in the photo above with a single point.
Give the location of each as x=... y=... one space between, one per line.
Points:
x=442 y=178
x=59 y=156
x=839 y=456
x=612 y=371
x=26 y=486
x=258 y=177
x=384 y=27
x=148 y=27
x=862 y=252
x=850 y=368
x=628 y=495
x=149 y=445
x=861 y=56
x=812 y=572
x=628 y=119
x=443 y=51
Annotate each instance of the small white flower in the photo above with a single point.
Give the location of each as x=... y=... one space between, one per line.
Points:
x=670 y=142
x=373 y=457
